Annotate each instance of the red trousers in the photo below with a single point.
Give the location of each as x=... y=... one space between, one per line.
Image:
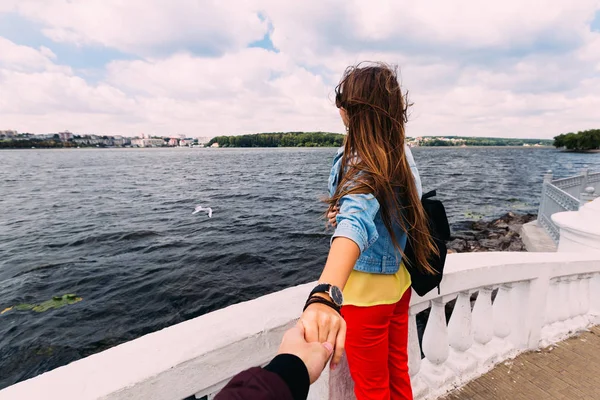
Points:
x=377 y=350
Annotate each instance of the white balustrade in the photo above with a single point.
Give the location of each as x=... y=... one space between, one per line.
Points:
x=461 y=337
x=577 y=321
x=520 y=294
x=565 y=194
x=436 y=347
x=541 y=298
x=563 y=304
x=584 y=290
x=503 y=316
x=419 y=387
x=550 y=330
x=483 y=328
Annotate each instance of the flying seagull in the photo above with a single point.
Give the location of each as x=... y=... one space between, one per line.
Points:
x=200 y=209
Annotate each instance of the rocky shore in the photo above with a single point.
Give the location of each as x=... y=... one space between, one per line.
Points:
x=501 y=234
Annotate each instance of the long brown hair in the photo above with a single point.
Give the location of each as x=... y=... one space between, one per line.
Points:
x=374 y=160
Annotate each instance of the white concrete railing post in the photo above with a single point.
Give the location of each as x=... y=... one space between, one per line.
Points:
x=549 y=330
x=460 y=335
x=585 y=172
x=503 y=315
x=547 y=180
x=536 y=305
x=414 y=358
x=436 y=347
x=563 y=304
x=588 y=194
x=520 y=296
x=584 y=293
x=576 y=321
x=483 y=327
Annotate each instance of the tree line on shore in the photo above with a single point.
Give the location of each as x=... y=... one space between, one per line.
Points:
x=326 y=139
x=580 y=141
x=281 y=139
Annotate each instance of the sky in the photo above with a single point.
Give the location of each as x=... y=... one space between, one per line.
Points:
x=203 y=68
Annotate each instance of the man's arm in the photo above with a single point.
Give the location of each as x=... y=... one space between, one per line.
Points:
x=285 y=378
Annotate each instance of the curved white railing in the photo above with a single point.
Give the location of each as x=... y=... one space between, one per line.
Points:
x=524 y=301
x=565 y=194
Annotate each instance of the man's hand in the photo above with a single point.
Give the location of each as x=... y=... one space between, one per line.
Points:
x=314 y=355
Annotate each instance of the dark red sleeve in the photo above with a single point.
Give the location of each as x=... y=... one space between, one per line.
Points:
x=285 y=378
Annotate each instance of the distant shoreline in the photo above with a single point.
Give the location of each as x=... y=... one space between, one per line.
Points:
x=291 y=147
x=582 y=151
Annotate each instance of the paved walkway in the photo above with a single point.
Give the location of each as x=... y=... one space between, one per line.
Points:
x=568 y=370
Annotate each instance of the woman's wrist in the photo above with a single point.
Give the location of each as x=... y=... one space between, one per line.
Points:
x=321 y=300
x=323 y=295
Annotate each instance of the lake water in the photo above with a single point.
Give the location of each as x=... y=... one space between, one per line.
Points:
x=116 y=228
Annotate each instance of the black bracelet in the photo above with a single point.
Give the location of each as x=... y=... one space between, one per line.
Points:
x=321 y=300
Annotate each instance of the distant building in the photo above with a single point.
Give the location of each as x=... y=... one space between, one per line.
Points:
x=65 y=136
x=215 y=145
x=9 y=134
x=154 y=142
x=173 y=142
x=44 y=136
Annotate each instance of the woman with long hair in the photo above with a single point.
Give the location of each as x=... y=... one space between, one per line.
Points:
x=375 y=205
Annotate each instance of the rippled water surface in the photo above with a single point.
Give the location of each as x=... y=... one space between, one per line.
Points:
x=116 y=228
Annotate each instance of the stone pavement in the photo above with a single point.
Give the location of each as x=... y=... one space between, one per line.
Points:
x=567 y=370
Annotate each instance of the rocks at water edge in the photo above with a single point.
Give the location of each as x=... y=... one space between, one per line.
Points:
x=501 y=234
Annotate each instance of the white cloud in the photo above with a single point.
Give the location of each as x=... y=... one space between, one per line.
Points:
x=25 y=58
x=148 y=26
x=521 y=69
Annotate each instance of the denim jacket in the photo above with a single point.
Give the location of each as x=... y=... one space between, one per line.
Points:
x=359 y=219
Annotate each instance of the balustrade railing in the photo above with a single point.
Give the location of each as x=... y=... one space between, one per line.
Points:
x=504 y=303
x=565 y=194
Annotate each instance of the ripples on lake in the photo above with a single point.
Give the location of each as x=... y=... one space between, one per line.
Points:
x=116 y=227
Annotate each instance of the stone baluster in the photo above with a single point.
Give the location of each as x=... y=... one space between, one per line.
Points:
x=560 y=326
x=584 y=290
x=551 y=317
x=520 y=297
x=585 y=172
x=436 y=348
x=503 y=315
x=543 y=202
x=588 y=194
x=419 y=387
x=483 y=327
x=460 y=337
x=575 y=322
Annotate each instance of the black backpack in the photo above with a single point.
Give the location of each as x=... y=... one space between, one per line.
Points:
x=422 y=281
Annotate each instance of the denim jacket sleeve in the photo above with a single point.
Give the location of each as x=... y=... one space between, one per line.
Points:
x=414 y=170
x=356 y=219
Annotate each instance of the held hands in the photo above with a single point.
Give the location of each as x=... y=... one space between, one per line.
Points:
x=323 y=324
x=314 y=355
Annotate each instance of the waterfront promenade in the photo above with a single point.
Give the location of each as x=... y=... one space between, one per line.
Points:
x=567 y=370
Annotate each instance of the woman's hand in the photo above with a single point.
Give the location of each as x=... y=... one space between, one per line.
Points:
x=324 y=324
x=331 y=214
x=314 y=355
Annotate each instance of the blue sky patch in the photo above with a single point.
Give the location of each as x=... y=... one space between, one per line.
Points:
x=595 y=25
x=23 y=32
